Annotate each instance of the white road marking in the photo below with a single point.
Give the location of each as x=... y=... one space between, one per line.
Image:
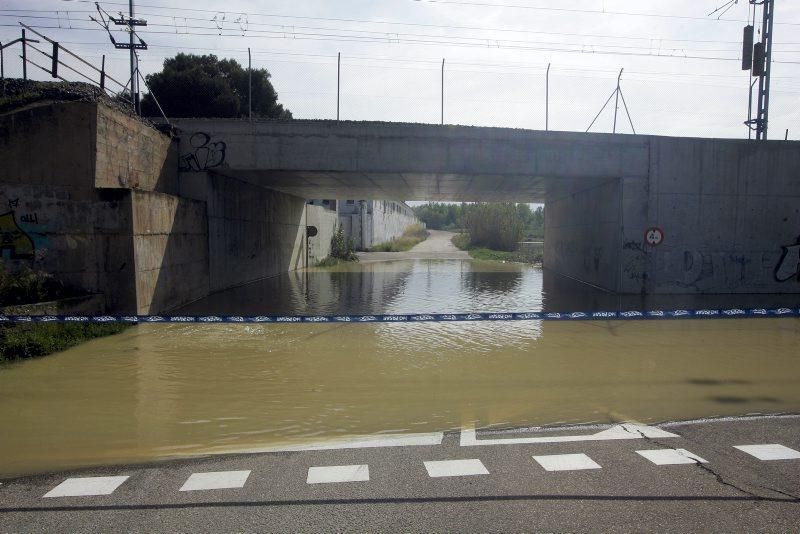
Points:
x=623 y=431
x=671 y=456
x=86 y=486
x=771 y=451
x=455 y=468
x=337 y=473
x=215 y=480
x=566 y=462
x=355 y=442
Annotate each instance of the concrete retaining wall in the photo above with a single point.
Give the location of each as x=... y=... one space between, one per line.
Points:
x=729 y=212
x=253 y=233
x=326 y=222
x=170 y=243
x=388 y=221
x=77 y=201
x=582 y=231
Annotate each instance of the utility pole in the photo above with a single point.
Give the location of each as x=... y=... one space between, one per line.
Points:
x=761 y=67
x=131 y=45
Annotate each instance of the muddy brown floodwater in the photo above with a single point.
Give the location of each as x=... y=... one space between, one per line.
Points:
x=162 y=391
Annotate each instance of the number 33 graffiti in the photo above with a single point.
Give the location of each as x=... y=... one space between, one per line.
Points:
x=205 y=154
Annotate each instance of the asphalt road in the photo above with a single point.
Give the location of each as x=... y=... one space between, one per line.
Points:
x=623 y=491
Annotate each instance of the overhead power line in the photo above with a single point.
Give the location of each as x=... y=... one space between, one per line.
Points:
x=401 y=38
x=383 y=37
x=454 y=2
x=586 y=11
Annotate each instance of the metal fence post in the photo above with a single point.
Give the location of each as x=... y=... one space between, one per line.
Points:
x=249 y=86
x=54 y=68
x=338 y=83
x=24 y=58
x=442 y=91
x=547 y=100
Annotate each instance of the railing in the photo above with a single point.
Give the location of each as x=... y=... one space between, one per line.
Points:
x=97 y=76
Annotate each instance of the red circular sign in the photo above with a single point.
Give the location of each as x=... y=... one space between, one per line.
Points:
x=654 y=236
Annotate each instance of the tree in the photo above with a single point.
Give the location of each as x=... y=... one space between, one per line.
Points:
x=204 y=86
x=496 y=226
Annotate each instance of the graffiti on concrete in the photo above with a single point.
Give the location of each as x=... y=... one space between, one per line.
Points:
x=204 y=155
x=789 y=265
x=14 y=240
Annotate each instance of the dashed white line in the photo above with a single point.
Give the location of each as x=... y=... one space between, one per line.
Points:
x=770 y=451
x=215 y=480
x=337 y=473
x=671 y=456
x=86 y=487
x=455 y=468
x=566 y=462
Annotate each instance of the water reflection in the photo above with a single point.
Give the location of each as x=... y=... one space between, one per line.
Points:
x=445 y=286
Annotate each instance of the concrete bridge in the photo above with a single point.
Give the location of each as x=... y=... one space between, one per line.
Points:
x=107 y=203
x=723 y=216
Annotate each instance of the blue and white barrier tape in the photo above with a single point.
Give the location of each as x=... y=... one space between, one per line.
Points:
x=412 y=318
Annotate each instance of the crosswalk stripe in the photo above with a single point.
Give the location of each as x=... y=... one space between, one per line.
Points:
x=566 y=462
x=455 y=468
x=769 y=451
x=86 y=487
x=337 y=473
x=215 y=480
x=671 y=456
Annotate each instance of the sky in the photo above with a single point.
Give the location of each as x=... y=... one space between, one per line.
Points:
x=682 y=69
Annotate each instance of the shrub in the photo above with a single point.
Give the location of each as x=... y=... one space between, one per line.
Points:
x=28 y=286
x=495 y=226
x=342 y=248
x=21 y=341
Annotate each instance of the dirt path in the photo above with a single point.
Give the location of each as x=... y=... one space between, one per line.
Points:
x=437 y=247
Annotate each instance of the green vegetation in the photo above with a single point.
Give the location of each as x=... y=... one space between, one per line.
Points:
x=481 y=253
x=31 y=340
x=329 y=262
x=493 y=232
x=441 y=216
x=28 y=286
x=414 y=235
x=342 y=250
x=493 y=226
x=204 y=86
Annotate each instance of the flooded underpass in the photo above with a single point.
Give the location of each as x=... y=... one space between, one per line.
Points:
x=170 y=390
